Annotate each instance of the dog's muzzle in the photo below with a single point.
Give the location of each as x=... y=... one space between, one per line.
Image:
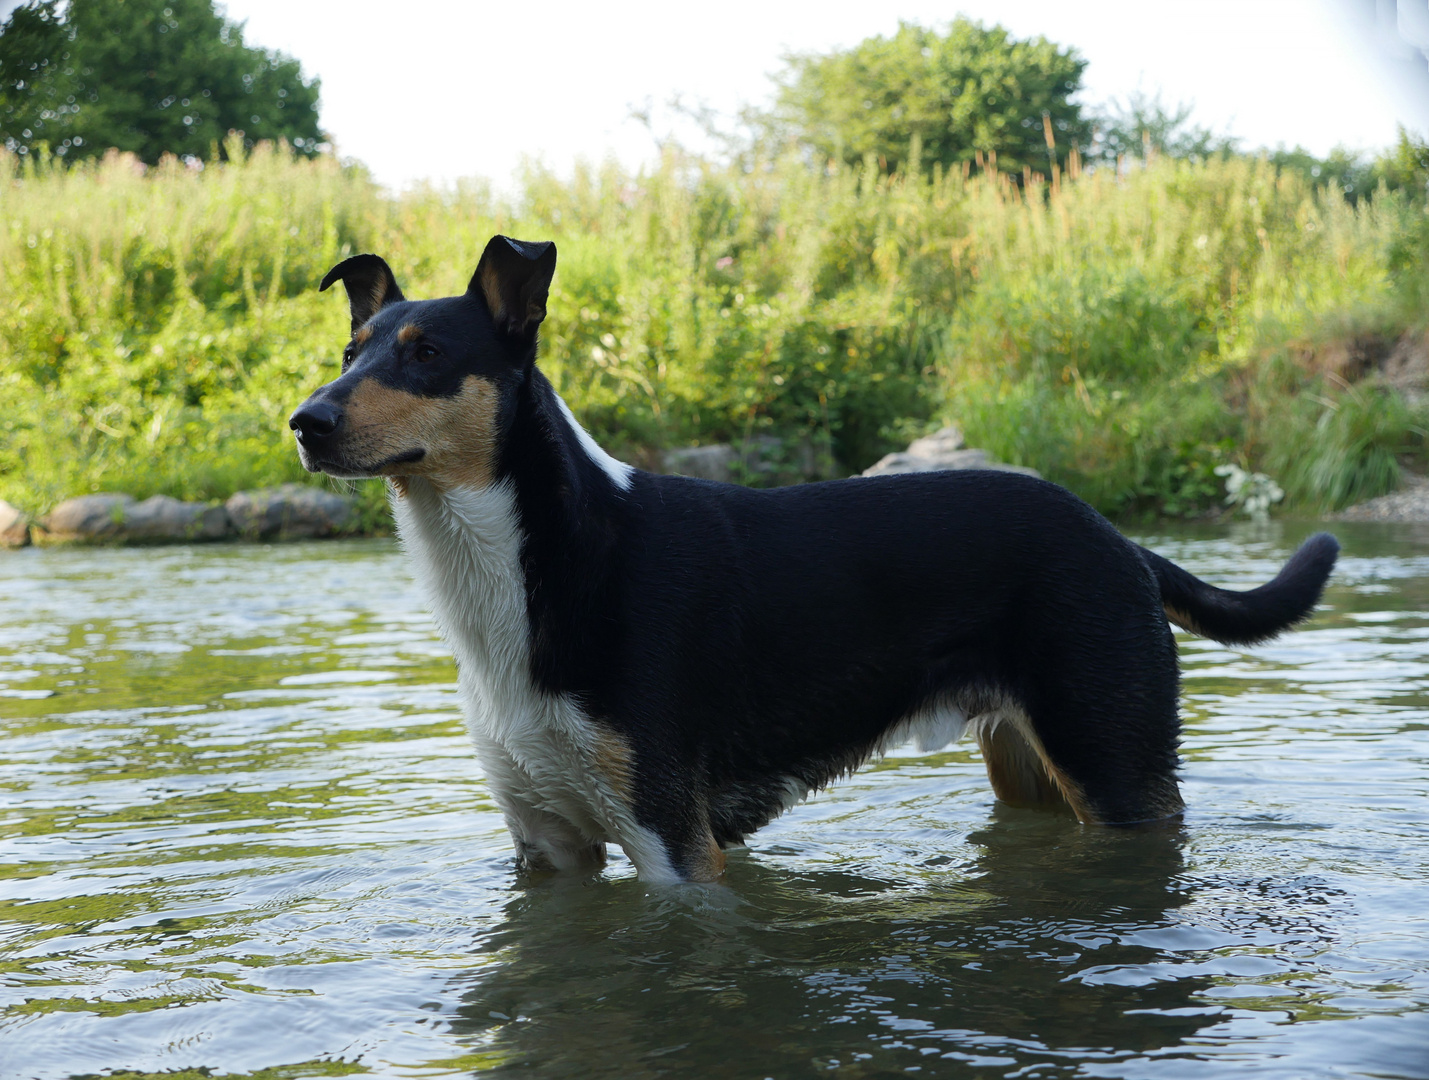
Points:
x=315 y=423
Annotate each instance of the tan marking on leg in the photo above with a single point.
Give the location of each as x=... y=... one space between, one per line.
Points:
x=362 y=335
x=1014 y=769
x=409 y=332
x=615 y=762
x=457 y=433
x=1184 y=621
x=1021 y=772
x=710 y=863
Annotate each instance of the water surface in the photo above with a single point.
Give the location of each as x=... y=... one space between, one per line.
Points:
x=241 y=829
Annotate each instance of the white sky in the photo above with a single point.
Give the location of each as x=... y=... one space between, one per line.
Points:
x=442 y=89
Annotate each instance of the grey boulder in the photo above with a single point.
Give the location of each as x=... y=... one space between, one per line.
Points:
x=944 y=441
x=941 y=451
x=765 y=460
x=290 y=511
x=162 y=517
x=713 y=462
x=119 y=518
x=14 y=526
x=87 y=517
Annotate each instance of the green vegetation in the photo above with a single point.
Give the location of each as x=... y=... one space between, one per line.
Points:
x=967 y=94
x=1142 y=125
x=150 y=77
x=1123 y=334
x=909 y=237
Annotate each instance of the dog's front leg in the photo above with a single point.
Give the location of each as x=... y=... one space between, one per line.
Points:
x=670 y=839
x=543 y=840
x=547 y=842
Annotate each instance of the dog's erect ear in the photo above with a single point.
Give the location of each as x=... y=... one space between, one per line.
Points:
x=370 y=286
x=513 y=279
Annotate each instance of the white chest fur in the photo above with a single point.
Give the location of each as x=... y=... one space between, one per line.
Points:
x=541 y=753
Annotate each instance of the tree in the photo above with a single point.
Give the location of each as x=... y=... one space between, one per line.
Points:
x=151 y=77
x=1143 y=124
x=973 y=90
x=1402 y=167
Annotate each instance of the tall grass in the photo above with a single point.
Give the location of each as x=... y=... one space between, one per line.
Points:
x=1123 y=334
x=1125 y=331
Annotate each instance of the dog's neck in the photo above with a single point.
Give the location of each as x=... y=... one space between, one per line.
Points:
x=546 y=453
x=465 y=548
x=481 y=555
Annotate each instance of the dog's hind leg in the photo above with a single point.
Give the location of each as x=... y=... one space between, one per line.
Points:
x=1017 y=765
x=1101 y=722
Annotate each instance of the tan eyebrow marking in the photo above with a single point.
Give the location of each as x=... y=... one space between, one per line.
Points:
x=410 y=332
x=361 y=335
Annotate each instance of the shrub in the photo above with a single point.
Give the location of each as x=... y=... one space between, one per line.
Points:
x=1124 y=334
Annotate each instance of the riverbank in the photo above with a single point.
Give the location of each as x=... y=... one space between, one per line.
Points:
x=302 y=512
x=1124 y=332
x=1409 y=503
x=289 y=512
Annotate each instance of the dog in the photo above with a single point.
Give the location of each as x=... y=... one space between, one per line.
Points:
x=668 y=663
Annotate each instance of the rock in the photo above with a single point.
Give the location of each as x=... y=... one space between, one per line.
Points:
x=943 y=441
x=1409 y=503
x=906 y=462
x=1406 y=368
x=714 y=462
x=1401 y=363
x=165 y=518
x=120 y=519
x=765 y=460
x=289 y=512
x=14 y=526
x=940 y=451
x=87 y=517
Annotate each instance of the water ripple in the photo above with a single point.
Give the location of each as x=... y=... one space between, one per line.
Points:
x=242 y=830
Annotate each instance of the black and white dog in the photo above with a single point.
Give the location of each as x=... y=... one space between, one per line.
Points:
x=669 y=663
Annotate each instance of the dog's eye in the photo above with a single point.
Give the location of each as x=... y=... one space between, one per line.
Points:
x=426 y=351
x=346 y=357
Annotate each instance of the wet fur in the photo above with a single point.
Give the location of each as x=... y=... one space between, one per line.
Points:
x=668 y=663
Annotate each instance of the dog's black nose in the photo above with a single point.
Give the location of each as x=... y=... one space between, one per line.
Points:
x=315 y=419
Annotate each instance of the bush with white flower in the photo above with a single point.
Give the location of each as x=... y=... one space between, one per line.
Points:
x=1252 y=492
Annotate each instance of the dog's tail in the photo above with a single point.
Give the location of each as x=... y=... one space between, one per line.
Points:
x=1244 y=618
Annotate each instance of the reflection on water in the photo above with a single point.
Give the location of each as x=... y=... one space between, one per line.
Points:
x=241 y=829
x=981 y=963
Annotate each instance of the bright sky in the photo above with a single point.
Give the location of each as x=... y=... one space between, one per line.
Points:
x=443 y=89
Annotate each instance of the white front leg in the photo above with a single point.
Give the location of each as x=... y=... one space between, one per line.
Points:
x=544 y=841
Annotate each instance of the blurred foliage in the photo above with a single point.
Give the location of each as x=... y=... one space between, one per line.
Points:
x=1124 y=331
x=1142 y=126
x=1404 y=167
x=1130 y=333
x=963 y=94
x=150 y=77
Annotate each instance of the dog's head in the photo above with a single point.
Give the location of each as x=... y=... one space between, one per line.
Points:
x=425 y=384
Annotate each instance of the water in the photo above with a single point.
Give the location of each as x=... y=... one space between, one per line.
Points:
x=241 y=829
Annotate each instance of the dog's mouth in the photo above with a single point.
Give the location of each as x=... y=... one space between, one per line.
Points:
x=349 y=470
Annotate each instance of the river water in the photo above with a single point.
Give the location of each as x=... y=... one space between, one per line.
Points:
x=242 y=830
